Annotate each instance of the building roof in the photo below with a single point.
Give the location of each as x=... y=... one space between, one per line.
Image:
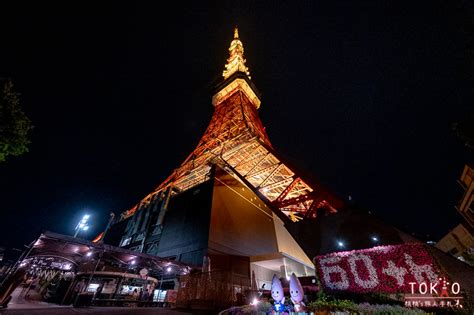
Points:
x=80 y=251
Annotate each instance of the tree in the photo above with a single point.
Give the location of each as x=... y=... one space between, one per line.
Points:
x=14 y=124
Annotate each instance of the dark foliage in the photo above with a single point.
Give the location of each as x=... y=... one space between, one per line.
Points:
x=14 y=124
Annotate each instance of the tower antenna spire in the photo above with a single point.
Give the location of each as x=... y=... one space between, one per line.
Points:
x=236 y=60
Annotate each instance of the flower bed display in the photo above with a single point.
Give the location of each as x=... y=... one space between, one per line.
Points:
x=387 y=269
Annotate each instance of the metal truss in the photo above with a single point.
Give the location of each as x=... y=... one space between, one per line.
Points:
x=236 y=139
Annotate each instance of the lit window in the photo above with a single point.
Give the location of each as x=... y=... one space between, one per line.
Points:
x=92 y=287
x=126 y=241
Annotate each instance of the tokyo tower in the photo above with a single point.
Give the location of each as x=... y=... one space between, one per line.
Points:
x=236 y=141
x=232 y=196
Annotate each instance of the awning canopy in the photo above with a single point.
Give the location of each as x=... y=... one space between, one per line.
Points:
x=81 y=252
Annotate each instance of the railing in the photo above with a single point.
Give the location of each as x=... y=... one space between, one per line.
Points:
x=125 y=302
x=212 y=290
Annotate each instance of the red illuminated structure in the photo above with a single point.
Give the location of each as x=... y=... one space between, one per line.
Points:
x=236 y=141
x=228 y=206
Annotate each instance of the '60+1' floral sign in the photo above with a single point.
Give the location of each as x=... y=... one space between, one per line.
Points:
x=386 y=269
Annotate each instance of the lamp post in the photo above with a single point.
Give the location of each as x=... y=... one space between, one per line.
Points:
x=167 y=270
x=111 y=219
x=82 y=225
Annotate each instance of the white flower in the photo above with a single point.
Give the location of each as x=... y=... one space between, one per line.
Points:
x=373 y=280
x=397 y=272
x=418 y=270
x=343 y=283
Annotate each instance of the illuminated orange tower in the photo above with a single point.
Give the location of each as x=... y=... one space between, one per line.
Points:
x=229 y=201
x=236 y=141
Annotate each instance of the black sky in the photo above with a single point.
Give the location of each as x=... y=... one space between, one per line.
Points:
x=361 y=94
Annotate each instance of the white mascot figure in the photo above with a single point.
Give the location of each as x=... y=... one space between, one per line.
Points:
x=278 y=295
x=297 y=294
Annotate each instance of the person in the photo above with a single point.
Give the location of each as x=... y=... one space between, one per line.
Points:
x=151 y=294
x=33 y=285
x=145 y=295
x=98 y=292
x=140 y=294
x=135 y=294
x=26 y=283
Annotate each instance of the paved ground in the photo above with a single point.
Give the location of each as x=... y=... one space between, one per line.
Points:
x=91 y=310
x=19 y=305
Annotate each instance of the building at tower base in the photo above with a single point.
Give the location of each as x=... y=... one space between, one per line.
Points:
x=220 y=225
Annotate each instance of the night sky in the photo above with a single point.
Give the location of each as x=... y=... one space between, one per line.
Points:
x=362 y=95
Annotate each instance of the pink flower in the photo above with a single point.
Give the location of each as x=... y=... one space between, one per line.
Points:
x=387 y=269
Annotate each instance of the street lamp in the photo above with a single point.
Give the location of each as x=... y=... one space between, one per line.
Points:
x=168 y=270
x=82 y=225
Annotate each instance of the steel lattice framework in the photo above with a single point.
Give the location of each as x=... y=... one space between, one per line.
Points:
x=236 y=141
